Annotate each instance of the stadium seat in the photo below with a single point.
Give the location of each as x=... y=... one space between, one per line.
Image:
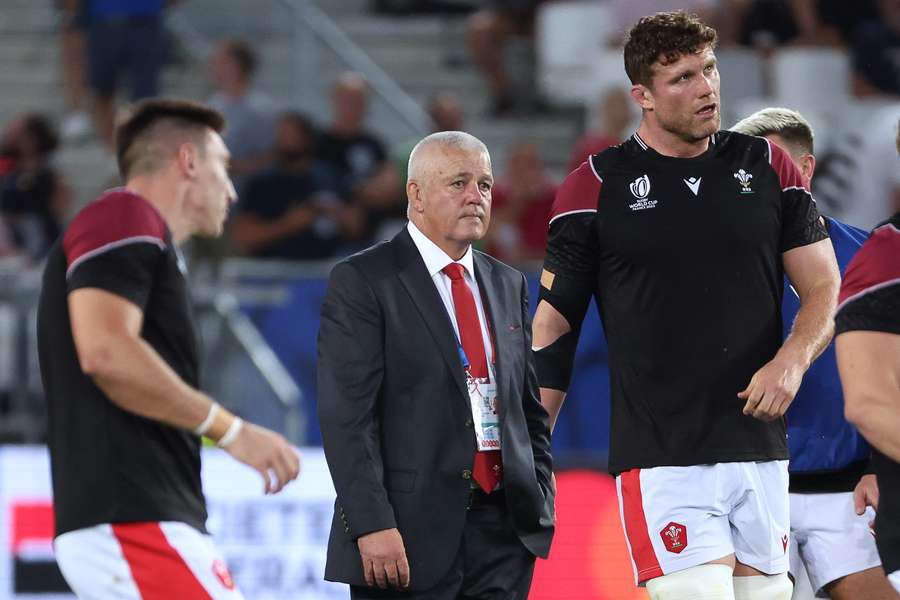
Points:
x=569 y=38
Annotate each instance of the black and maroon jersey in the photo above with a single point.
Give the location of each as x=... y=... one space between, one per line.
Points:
x=109 y=465
x=870 y=301
x=684 y=258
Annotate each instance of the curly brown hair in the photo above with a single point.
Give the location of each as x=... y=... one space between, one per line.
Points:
x=664 y=37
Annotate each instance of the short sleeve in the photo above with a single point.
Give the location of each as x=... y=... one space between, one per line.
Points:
x=116 y=244
x=572 y=238
x=870 y=292
x=800 y=221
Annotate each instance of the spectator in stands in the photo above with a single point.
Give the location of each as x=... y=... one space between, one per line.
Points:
x=521 y=206
x=489 y=31
x=124 y=37
x=250 y=113
x=34 y=198
x=876 y=52
x=614 y=118
x=72 y=41
x=358 y=155
x=295 y=210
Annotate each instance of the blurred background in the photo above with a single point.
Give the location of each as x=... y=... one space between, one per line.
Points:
x=324 y=101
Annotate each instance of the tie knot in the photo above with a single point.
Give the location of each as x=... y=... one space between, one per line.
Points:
x=454 y=271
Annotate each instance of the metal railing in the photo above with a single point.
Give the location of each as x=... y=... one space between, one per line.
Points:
x=312 y=23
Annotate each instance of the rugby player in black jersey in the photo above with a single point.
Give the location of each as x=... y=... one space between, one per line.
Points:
x=683 y=234
x=868 y=354
x=119 y=364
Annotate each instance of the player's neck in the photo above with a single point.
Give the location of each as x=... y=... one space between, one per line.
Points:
x=165 y=198
x=669 y=144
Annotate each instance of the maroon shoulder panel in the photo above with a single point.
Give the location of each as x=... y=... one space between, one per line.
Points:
x=788 y=173
x=580 y=192
x=876 y=265
x=117 y=218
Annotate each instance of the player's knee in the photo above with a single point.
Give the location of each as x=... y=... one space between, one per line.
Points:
x=763 y=587
x=704 y=582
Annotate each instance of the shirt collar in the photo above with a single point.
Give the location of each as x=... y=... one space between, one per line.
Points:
x=435 y=258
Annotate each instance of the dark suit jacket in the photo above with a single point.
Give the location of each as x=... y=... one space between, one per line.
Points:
x=395 y=415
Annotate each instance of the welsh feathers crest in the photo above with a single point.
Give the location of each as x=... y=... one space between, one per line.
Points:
x=744 y=178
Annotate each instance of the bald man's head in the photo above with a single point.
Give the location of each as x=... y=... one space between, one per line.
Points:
x=449 y=190
x=432 y=147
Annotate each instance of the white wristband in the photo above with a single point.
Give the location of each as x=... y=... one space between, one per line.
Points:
x=203 y=427
x=233 y=430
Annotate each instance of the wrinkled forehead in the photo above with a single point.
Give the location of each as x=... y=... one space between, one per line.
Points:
x=448 y=161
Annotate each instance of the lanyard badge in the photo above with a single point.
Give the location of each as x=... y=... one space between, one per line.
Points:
x=485 y=406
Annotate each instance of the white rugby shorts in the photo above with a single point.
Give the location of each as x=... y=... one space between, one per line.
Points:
x=829 y=538
x=676 y=518
x=143 y=561
x=894 y=578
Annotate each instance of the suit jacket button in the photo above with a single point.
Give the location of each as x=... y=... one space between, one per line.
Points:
x=467 y=474
x=469 y=423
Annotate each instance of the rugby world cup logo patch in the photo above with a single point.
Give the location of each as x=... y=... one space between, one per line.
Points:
x=640 y=189
x=674 y=536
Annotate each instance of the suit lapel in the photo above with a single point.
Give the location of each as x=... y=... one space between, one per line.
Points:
x=414 y=277
x=495 y=300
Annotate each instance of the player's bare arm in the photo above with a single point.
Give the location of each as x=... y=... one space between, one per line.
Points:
x=107 y=333
x=548 y=326
x=813 y=272
x=869 y=363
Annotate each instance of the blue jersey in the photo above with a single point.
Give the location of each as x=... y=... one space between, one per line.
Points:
x=819 y=437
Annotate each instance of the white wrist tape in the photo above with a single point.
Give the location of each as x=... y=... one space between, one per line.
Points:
x=233 y=430
x=203 y=427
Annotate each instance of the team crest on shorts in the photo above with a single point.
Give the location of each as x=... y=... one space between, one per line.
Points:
x=784 y=542
x=222 y=574
x=674 y=536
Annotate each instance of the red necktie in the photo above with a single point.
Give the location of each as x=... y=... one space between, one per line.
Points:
x=487 y=465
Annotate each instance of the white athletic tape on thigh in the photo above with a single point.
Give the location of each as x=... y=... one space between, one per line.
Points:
x=763 y=587
x=703 y=582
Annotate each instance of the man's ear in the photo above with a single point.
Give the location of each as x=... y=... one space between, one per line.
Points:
x=808 y=165
x=414 y=195
x=642 y=95
x=186 y=157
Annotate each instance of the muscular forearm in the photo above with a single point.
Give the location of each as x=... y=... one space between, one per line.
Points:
x=135 y=378
x=877 y=416
x=813 y=327
x=869 y=364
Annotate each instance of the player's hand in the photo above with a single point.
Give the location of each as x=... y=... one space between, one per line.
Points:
x=772 y=389
x=866 y=494
x=267 y=452
x=384 y=559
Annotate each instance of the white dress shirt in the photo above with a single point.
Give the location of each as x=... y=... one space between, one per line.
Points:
x=435 y=260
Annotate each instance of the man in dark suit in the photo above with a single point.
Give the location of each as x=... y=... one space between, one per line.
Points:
x=428 y=403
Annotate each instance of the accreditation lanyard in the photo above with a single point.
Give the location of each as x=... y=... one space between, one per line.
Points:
x=483 y=400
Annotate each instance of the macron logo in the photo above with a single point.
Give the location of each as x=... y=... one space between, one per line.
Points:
x=693 y=184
